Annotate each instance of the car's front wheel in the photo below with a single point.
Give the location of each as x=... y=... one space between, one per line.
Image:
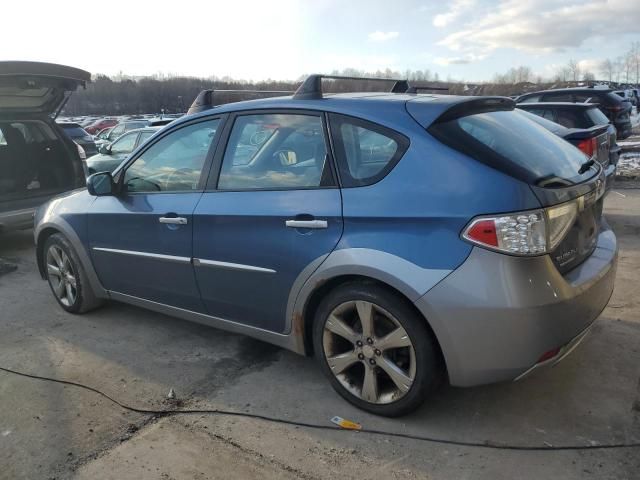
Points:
x=66 y=276
x=375 y=349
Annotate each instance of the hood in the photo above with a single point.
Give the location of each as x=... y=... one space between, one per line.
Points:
x=35 y=87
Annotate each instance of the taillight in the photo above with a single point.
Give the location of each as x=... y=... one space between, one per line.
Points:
x=589 y=146
x=534 y=232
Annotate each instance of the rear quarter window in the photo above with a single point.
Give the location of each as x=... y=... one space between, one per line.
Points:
x=515 y=145
x=365 y=152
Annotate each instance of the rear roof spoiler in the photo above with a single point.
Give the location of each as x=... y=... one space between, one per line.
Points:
x=443 y=108
x=476 y=105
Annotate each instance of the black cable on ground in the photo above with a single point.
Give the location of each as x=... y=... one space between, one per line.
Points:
x=172 y=412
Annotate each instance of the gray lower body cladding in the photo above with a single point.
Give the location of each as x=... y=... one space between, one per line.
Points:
x=496 y=315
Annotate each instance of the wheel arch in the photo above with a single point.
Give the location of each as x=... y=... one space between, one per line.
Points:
x=45 y=230
x=322 y=289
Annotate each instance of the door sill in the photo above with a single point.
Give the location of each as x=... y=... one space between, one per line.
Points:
x=289 y=342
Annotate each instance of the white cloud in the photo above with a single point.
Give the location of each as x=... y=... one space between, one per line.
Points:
x=543 y=26
x=379 y=36
x=462 y=60
x=458 y=7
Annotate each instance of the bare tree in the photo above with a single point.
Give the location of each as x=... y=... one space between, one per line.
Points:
x=607 y=68
x=587 y=76
x=574 y=69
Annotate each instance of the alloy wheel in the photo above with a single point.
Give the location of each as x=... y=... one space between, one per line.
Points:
x=369 y=352
x=61 y=276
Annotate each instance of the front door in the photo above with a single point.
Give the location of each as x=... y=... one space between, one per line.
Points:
x=273 y=210
x=141 y=238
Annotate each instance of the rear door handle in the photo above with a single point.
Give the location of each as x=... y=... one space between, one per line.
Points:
x=173 y=220
x=306 y=223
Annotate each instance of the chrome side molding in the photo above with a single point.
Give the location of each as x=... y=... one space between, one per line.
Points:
x=133 y=253
x=199 y=262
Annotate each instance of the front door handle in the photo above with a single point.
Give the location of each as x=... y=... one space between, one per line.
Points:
x=173 y=220
x=306 y=223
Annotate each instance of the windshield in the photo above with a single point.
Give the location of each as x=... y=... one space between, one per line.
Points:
x=511 y=143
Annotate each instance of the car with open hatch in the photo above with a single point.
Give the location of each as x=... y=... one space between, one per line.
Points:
x=38 y=159
x=403 y=239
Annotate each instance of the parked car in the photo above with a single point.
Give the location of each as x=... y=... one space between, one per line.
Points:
x=618 y=111
x=581 y=116
x=126 y=126
x=37 y=159
x=593 y=142
x=626 y=95
x=112 y=155
x=99 y=124
x=399 y=238
x=79 y=135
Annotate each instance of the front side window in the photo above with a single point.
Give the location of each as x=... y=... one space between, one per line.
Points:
x=124 y=144
x=366 y=152
x=175 y=162
x=273 y=151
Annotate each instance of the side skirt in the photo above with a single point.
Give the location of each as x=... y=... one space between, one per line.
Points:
x=289 y=342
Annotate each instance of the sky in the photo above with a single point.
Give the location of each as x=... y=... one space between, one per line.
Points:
x=467 y=40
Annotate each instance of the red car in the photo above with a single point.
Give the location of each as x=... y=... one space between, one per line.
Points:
x=98 y=125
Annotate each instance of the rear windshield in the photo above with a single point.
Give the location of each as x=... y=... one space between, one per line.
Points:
x=597 y=117
x=513 y=144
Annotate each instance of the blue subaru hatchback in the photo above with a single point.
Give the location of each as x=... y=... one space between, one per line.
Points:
x=402 y=239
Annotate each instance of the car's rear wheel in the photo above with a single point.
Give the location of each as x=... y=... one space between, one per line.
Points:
x=375 y=349
x=66 y=276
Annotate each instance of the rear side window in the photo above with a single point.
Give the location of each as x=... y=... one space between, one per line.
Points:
x=276 y=151
x=515 y=145
x=530 y=99
x=558 y=97
x=365 y=152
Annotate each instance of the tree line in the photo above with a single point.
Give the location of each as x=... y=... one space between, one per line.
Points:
x=122 y=95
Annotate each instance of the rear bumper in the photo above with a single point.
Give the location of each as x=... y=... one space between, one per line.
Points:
x=610 y=176
x=496 y=315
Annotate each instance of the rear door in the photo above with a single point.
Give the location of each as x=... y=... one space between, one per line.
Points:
x=273 y=210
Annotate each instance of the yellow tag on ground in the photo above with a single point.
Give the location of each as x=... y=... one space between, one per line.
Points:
x=347 y=424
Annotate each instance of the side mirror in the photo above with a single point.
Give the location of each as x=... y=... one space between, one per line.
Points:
x=100 y=184
x=105 y=149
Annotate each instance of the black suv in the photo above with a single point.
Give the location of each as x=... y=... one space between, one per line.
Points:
x=37 y=159
x=79 y=135
x=617 y=110
x=577 y=115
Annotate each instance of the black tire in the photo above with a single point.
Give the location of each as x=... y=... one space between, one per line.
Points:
x=85 y=298
x=429 y=368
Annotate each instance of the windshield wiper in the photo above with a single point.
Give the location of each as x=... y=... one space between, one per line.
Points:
x=586 y=166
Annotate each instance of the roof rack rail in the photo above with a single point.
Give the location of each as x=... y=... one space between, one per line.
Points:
x=416 y=89
x=311 y=88
x=205 y=99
